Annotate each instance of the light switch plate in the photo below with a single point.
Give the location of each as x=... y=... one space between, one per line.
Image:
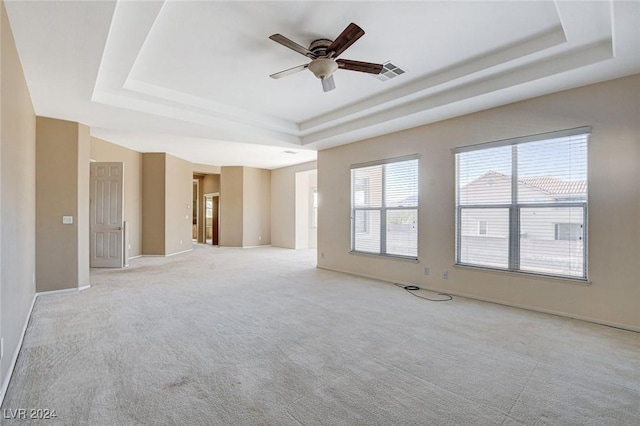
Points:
x=67 y=220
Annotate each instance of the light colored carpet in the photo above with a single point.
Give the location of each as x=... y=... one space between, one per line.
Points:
x=260 y=336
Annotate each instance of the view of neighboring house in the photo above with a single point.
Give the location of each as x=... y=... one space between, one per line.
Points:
x=552 y=220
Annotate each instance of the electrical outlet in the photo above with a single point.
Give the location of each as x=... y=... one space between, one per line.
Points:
x=445 y=275
x=260 y=238
x=129 y=246
x=180 y=242
x=426 y=270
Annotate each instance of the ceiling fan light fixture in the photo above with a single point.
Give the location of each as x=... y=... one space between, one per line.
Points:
x=323 y=67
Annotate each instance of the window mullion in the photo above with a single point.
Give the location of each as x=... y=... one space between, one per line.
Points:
x=353 y=211
x=514 y=214
x=383 y=213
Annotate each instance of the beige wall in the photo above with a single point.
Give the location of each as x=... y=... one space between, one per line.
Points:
x=178 y=199
x=283 y=204
x=211 y=183
x=166 y=204
x=17 y=197
x=245 y=207
x=611 y=108
x=256 y=211
x=62 y=153
x=104 y=151
x=231 y=197
x=153 y=203
x=205 y=169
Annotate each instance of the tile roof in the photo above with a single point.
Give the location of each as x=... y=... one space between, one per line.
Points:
x=556 y=186
x=549 y=185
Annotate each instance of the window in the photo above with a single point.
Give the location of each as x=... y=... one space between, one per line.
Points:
x=384 y=207
x=532 y=193
x=568 y=231
x=482 y=227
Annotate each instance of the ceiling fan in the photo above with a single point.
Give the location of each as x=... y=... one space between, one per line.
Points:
x=323 y=53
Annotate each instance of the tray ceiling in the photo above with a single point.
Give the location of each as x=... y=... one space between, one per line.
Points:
x=192 y=78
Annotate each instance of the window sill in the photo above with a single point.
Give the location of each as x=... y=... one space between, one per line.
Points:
x=529 y=275
x=386 y=256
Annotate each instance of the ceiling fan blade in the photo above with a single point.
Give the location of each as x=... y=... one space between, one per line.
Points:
x=345 y=39
x=369 y=67
x=279 y=38
x=328 y=83
x=289 y=71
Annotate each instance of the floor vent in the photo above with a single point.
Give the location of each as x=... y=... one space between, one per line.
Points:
x=389 y=71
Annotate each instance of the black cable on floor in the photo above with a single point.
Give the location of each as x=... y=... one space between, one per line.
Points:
x=411 y=288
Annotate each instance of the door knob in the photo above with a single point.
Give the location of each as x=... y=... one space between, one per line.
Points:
x=119 y=228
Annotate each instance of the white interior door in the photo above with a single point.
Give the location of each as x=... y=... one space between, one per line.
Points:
x=107 y=210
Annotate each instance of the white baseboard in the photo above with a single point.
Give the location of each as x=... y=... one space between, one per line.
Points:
x=63 y=291
x=14 y=359
x=164 y=255
x=499 y=302
x=135 y=257
x=178 y=252
x=85 y=287
x=260 y=246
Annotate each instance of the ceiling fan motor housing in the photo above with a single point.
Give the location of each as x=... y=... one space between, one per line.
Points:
x=319 y=47
x=322 y=67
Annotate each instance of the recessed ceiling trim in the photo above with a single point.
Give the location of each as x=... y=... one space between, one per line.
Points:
x=595 y=53
x=232 y=131
x=215 y=109
x=548 y=39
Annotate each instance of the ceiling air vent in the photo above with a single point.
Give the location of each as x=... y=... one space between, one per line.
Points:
x=389 y=71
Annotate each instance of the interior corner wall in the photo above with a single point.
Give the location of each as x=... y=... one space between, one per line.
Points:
x=104 y=151
x=153 y=203
x=256 y=211
x=83 y=197
x=231 y=206
x=17 y=198
x=612 y=109
x=61 y=148
x=177 y=201
x=283 y=204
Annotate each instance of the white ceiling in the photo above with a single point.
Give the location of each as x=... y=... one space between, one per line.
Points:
x=192 y=78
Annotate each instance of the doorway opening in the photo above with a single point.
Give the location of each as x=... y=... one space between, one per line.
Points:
x=211 y=218
x=306 y=202
x=195 y=210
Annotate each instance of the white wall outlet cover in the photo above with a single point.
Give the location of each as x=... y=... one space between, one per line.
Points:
x=67 y=220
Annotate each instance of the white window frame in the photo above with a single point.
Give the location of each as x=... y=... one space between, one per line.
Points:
x=382 y=209
x=515 y=207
